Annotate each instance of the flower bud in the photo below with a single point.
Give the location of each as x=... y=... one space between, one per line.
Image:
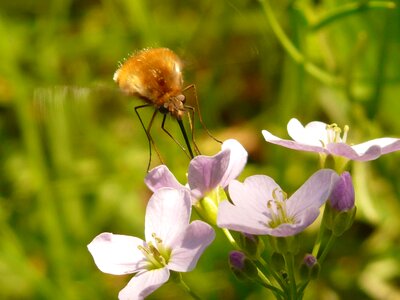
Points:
x=252 y=245
x=342 y=196
x=241 y=266
x=340 y=212
x=310 y=267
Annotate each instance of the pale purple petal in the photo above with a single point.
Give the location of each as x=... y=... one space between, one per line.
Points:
x=342 y=196
x=388 y=144
x=197 y=237
x=313 y=134
x=237 y=161
x=160 y=177
x=144 y=284
x=167 y=215
x=313 y=193
x=235 y=218
x=205 y=172
x=344 y=150
x=303 y=220
x=291 y=144
x=117 y=254
x=249 y=213
x=254 y=193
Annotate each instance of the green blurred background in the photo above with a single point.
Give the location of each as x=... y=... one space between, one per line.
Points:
x=73 y=155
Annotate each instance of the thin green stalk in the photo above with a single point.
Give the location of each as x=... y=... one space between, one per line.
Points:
x=296 y=55
x=230 y=238
x=187 y=288
x=265 y=282
x=328 y=247
x=272 y=273
x=383 y=54
x=289 y=261
x=349 y=9
x=318 y=241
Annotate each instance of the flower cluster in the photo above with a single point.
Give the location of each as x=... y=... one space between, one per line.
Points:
x=251 y=209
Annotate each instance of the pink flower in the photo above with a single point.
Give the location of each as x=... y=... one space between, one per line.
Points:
x=260 y=206
x=171 y=244
x=323 y=138
x=205 y=172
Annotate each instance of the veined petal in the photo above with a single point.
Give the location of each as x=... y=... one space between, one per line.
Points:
x=117 y=254
x=313 y=134
x=206 y=172
x=303 y=220
x=197 y=237
x=237 y=161
x=235 y=218
x=313 y=193
x=168 y=215
x=160 y=177
x=144 y=284
x=386 y=145
x=354 y=152
x=254 y=193
x=291 y=144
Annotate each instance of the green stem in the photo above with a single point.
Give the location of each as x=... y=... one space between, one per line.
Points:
x=187 y=288
x=318 y=241
x=289 y=261
x=264 y=281
x=328 y=247
x=296 y=55
x=349 y=9
x=230 y=238
x=272 y=272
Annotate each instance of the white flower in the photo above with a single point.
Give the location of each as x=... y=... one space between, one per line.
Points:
x=323 y=138
x=171 y=244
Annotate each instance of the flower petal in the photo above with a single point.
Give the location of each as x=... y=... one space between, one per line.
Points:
x=144 y=284
x=168 y=215
x=206 y=172
x=254 y=193
x=237 y=161
x=307 y=217
x=235 y=218
x=116 y=254
x=384 y=143
x=313 y=193
x=354 y=152
x=160 y=177
x=197 y=237
x=291 y=144
x=249 y=213
x=312 y=134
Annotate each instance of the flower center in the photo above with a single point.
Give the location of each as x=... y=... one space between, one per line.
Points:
x=157 y=255
x=333 y=134
x=277 y=209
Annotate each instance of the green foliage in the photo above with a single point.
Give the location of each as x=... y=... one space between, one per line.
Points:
x=73 y=154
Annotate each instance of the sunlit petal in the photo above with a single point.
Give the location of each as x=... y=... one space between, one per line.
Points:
x=197 y=237
x=167 y=214
x=144 y=284
x=116 y=254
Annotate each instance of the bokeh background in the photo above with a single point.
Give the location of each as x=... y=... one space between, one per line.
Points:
x=73 y=155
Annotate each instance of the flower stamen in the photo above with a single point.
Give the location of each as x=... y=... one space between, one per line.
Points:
x=277 y=209
x=157 y=255
x=333 y=134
